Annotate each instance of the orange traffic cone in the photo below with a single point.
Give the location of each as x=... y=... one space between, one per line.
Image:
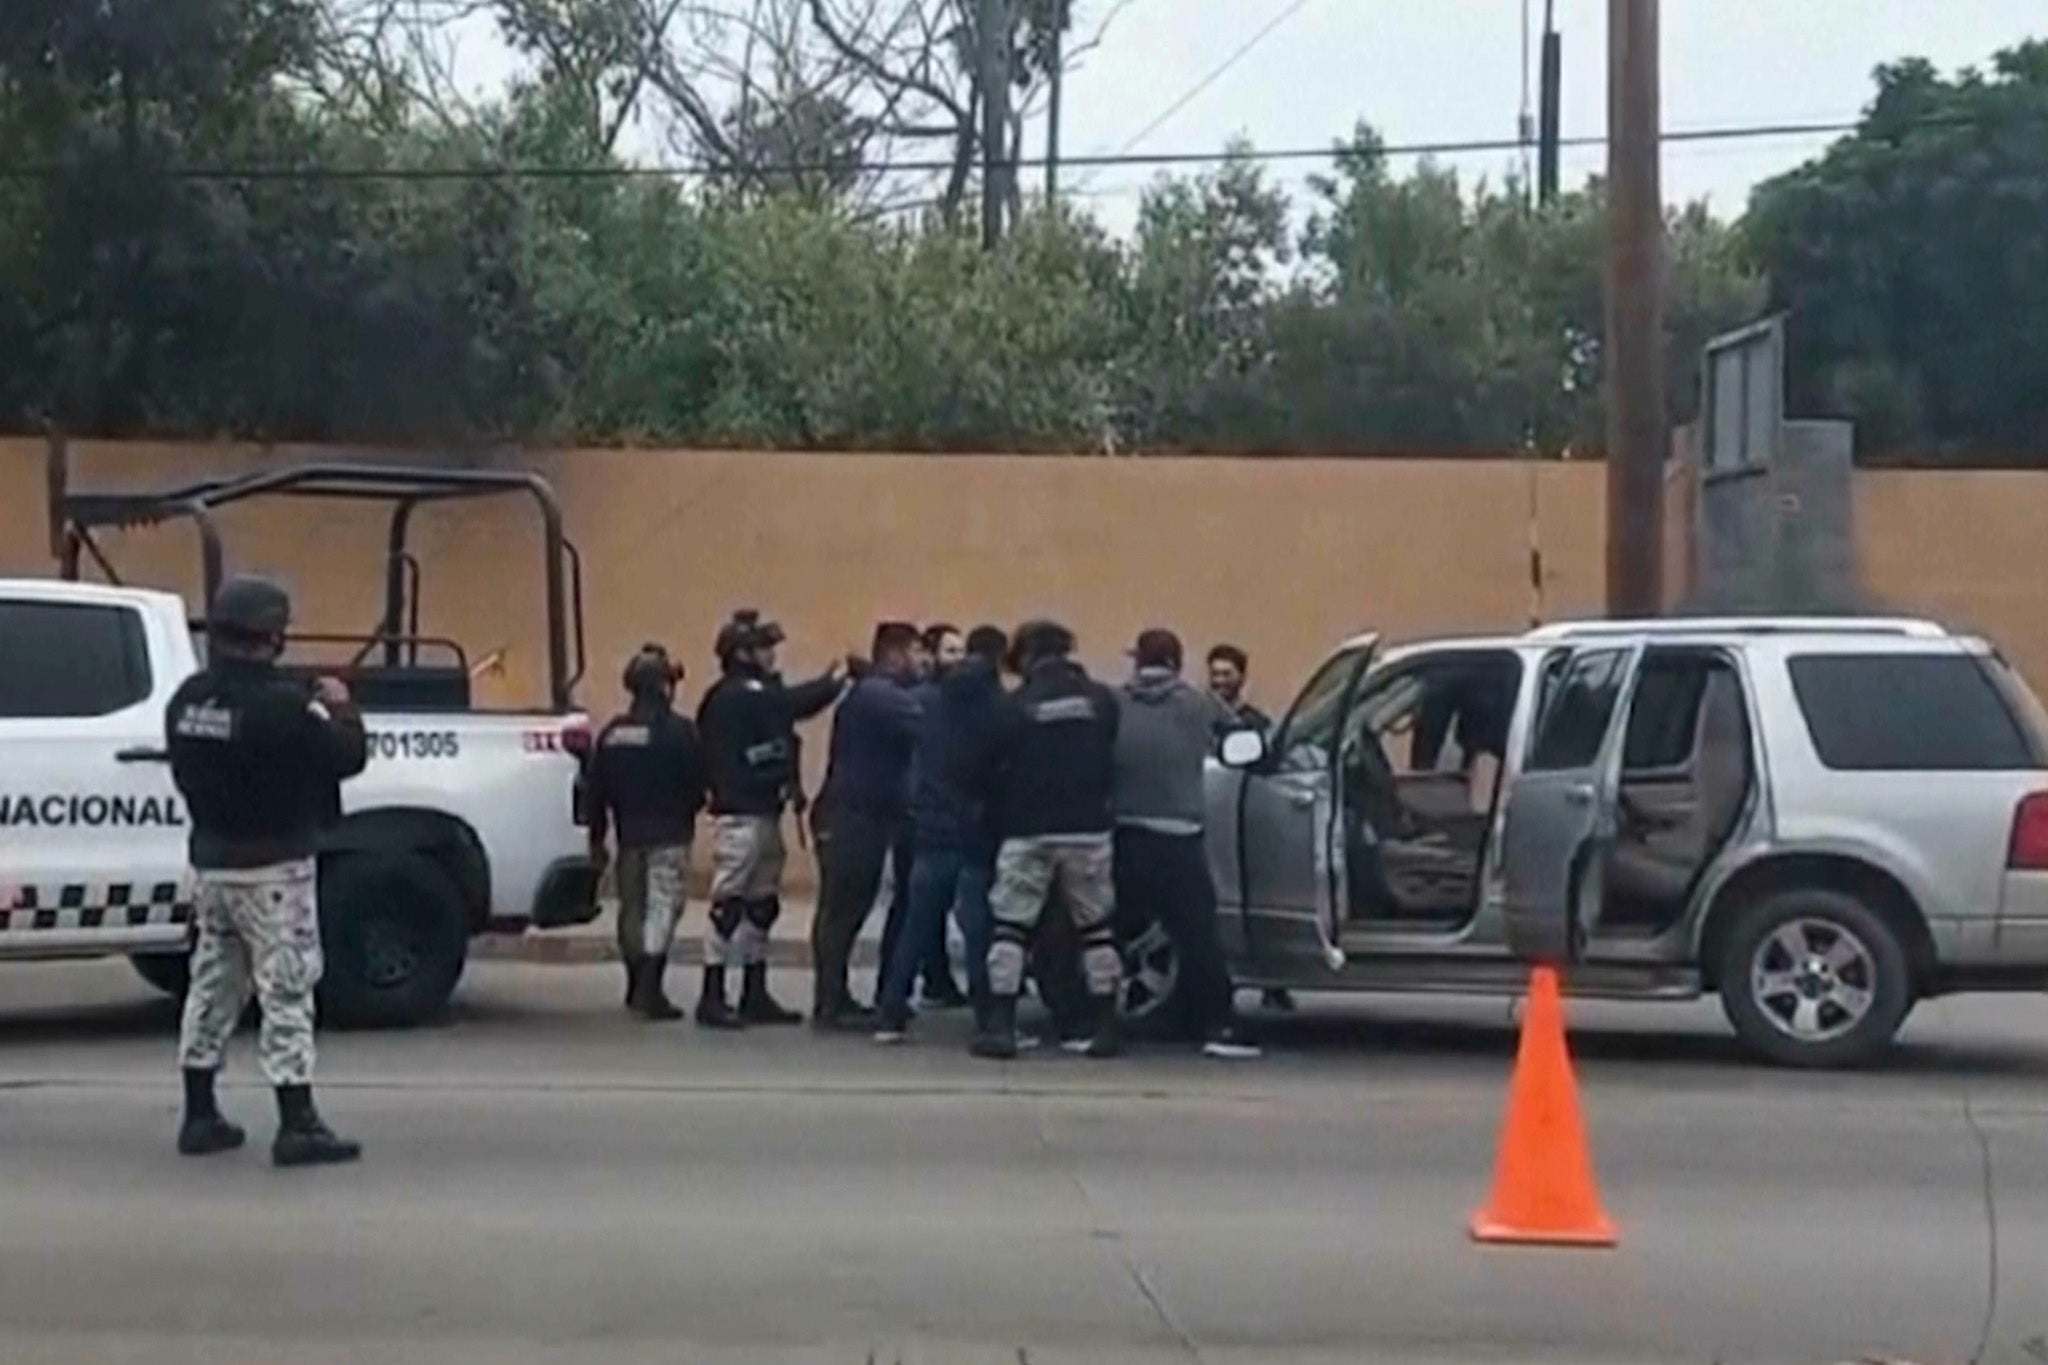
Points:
x=1543 y=1190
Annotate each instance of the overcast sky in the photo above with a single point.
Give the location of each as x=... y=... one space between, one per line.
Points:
x=1446 y=70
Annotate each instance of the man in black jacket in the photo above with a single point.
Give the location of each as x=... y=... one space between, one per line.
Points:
x=954 y=855
x=259 y=759
x=863 y=813
x=1050 y=772
x=748 y=721
x=647 y=782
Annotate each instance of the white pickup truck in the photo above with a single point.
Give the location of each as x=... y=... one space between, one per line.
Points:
x=464 y=822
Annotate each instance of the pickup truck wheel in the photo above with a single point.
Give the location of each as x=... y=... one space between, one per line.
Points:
x=1814 y=978
x=392 y=929
x=170 y=973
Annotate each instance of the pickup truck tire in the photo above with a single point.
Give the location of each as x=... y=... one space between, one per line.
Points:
x=394 y=936
x=1812 y=977
x=170 y=973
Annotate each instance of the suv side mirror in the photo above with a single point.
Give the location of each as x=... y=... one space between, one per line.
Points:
x=1243 y=749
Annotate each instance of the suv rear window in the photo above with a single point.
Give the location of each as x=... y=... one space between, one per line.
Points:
x=70 y=660
x=1908 y=713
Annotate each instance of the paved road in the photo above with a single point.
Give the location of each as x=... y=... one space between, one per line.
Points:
x=548 y=1181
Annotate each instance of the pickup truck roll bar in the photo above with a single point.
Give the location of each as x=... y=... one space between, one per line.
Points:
x=75 y=515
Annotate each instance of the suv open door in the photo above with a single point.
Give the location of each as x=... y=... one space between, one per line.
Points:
x=1562 y=807
x=1290 y=848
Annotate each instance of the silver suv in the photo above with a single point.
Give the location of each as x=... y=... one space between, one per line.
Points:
x=1821 y=820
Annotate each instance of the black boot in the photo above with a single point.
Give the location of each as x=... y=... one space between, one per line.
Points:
x=1108 y=1039
x=941 y=992
x=633 y=981
x=654 y=1001
x=756 y=1005
x=204 y=1131
x=302 y=1139
x=998 y=1036
x=712 y=1011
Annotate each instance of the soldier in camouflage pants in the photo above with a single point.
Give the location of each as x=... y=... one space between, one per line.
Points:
x=259 y=758
x=260 y=927
x=651 y=894
x=1028 y=872
x=748 y=855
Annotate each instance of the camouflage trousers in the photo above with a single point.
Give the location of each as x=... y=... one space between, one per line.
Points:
x=651 y=893
x=747 y=858
x=1077 y=868
x=258 y=927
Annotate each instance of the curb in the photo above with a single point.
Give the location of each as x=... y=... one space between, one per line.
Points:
x=574 y=950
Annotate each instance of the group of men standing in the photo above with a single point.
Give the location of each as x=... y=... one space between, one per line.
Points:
x=988 y=801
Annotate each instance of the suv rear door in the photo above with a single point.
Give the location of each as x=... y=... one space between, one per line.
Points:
x=1561 y=810
x=92 y=834
x=1921 y=755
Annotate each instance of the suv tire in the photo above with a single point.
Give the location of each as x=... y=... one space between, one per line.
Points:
x=170 y=973
x=393 y=932
x=1151 y=1000
x=1812 y=977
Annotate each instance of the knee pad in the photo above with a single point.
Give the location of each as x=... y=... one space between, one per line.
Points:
x=726 y=916
x=763 y=913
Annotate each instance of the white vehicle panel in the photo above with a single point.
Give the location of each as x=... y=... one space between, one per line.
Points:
x=93 y=846
x=516 y=788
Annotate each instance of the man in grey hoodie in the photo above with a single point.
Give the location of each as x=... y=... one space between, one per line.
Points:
x=1164 y=734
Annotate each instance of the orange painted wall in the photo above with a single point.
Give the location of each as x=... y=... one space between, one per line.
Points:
x=1964 y=546
x=1283 y=556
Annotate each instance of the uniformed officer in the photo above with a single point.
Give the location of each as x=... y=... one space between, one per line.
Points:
x=748 y=722
x=259 y=758
x=647 y=785
x=1049 y=772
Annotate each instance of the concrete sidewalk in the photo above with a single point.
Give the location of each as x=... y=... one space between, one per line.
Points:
x=789 y=945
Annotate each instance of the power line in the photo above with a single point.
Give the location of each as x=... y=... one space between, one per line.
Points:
x=712 y=171
x=1194 y=92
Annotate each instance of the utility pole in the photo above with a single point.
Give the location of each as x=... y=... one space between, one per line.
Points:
x=1054 y=79
x=1547 y=106
x=995 y=118
x=1634 y=349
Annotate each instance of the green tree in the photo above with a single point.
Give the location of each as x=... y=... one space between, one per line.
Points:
x=1203 y=273
x=1912 y=260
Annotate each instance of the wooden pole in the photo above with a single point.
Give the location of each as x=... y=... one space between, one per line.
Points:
x=1634 y=351
x=995 y=118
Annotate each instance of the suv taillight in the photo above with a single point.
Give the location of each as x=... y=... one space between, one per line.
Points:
x=2029 y=852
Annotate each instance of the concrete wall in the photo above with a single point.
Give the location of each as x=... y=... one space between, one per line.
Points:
x=1281 y=555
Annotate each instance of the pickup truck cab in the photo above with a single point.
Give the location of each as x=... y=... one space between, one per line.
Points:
x=461 y=823
x=1822 y=821
x=465 y=821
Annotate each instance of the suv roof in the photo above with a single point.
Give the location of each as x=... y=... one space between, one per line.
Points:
x=1906 y=627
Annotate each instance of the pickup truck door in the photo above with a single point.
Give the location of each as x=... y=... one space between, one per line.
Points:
x=1289 y=851
x=1561 y=809
x=92 y=833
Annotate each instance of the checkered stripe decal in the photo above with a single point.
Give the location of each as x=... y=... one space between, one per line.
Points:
x=82 y=905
